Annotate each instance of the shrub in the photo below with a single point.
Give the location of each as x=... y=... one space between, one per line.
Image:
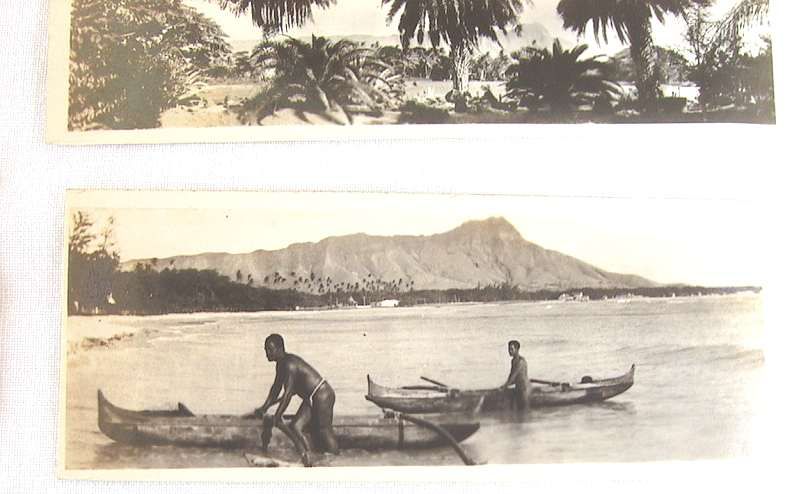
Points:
x=132 y=59
x=672 y=104
x=420 y=113
x=557 y=78
x=323 y=76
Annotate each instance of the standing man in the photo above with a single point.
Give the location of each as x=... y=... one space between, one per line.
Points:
x=518 y=377
x=296 y=377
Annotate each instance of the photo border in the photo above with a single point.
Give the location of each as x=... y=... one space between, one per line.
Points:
x=743 y=469
x=56 y=131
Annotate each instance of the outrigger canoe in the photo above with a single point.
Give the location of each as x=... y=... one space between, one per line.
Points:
x=181 y=427
x=438 y=399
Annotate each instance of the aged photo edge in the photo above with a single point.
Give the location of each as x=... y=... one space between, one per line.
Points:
x=58 y=72
x=62 y=403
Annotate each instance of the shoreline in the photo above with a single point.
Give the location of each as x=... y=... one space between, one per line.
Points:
x=85 y=333
x=317 y=310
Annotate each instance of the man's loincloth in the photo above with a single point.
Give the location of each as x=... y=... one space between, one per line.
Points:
x=321 y=400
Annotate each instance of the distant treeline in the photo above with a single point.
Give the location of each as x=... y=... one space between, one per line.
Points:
x=505 y=292
x=96 y=285
x=146 y=291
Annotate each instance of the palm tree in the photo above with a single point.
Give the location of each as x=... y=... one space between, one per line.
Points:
x=723 y=71
x=459 y=23
x=325 y=76
x=558 y=78
x=631 y=21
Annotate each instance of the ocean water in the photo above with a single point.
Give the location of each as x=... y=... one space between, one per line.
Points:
x=699 y=371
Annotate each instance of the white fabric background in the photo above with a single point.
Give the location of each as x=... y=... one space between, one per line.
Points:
x=764 y=164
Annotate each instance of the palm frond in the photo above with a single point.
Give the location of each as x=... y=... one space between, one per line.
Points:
x=276 y=15
x=328 y=75
x=617 y=15
x=557 y=78
x=453 y=21
x=739 y=18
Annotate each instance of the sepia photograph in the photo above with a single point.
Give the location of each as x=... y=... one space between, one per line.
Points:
x=254 y=330
x=293 y=66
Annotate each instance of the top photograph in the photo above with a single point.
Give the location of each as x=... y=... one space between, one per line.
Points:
x=291 y=69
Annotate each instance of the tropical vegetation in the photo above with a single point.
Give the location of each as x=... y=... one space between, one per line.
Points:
x=324 y=76
x=276 y=16
x=146 y=63
x=726 y=72
x=132 y=59
x=745 y=14
x=631 y=22
x=558 y=79
x=91 y=264
x=459 y=23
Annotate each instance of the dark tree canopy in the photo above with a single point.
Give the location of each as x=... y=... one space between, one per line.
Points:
x=620 y=15
x=453 y=21
x=132 y=59
x=276 y=15
x=631 y=21
x=558 y=78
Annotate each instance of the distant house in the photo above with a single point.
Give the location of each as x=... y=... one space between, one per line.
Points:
x=578 y=297
x=387 y=303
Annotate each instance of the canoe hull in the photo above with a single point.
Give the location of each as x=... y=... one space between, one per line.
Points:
x=489 y=400
x=434 y=400
x=230 y=431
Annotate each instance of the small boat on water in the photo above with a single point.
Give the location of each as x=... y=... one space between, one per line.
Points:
x=424 y=399
x=181 y=427
x=441 y=399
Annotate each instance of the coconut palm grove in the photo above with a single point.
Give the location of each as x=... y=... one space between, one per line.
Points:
x=138 y=64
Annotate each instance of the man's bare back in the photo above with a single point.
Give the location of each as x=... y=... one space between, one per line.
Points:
x=304 y=377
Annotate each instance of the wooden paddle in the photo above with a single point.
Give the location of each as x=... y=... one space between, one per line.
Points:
x=442 y=432
x=435 y=382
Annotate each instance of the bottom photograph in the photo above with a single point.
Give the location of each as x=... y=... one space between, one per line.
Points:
x=257 y=330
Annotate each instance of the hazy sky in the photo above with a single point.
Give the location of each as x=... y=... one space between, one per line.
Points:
x=368 y=18
x=707 y=242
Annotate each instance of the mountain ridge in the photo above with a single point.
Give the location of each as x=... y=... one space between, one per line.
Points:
x=476 y=253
